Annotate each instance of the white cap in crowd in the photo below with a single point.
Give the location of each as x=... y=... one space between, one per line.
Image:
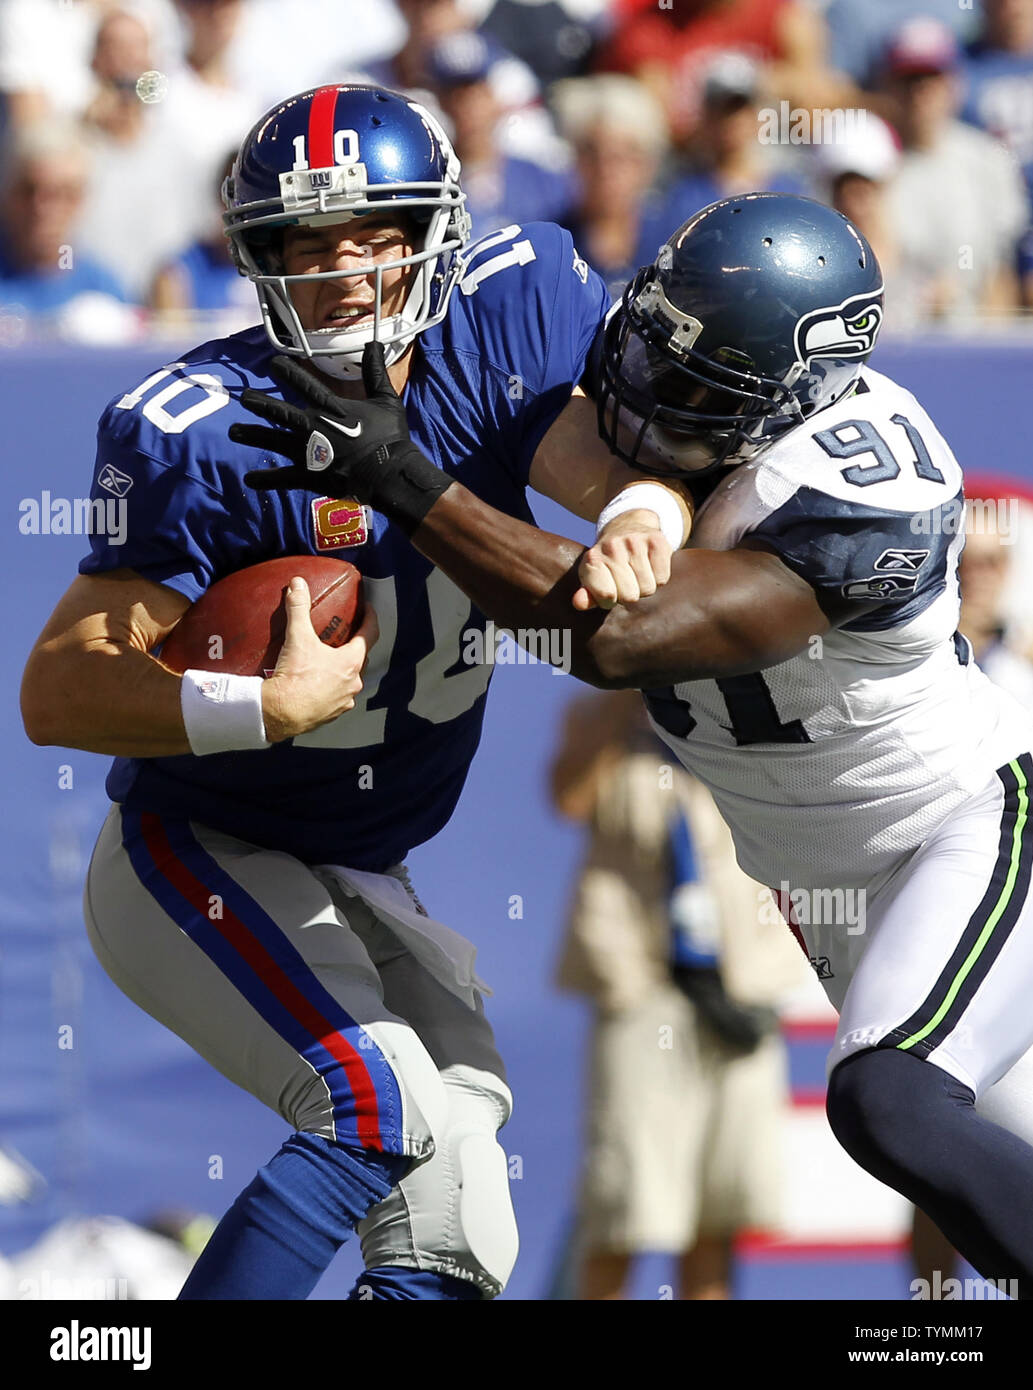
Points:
x=865 y=145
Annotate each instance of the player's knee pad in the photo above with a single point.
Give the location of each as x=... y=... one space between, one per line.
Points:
x=422 y=1094
x=454 y=1214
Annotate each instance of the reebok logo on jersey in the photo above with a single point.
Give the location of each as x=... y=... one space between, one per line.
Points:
x=901 y=560
x=111 y=480
x=339 y=522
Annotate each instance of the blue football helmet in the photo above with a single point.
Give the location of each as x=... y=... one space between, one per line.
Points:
x=759 y=311
x=329 y=155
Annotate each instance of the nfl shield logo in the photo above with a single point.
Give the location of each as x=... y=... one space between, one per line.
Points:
x=318 y=452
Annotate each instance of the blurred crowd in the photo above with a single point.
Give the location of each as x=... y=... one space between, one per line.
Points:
x=684 y=968
x=617 y=118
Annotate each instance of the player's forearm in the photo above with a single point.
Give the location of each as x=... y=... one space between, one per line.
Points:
x=520 y=576
x=104 y=698
x=723 y=613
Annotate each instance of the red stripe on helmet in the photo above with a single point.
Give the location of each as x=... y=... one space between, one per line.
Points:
x=321 y=128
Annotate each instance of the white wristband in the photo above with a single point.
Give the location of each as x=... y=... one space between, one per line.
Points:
x=222 y=714
x=653 y=498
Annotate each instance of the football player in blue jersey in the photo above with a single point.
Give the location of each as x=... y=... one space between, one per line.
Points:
x=247 y=889
x=804 y=662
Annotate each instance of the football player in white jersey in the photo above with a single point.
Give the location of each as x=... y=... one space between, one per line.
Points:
x=804 y=662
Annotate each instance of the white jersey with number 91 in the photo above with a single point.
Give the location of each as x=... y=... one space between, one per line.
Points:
x=833 y=766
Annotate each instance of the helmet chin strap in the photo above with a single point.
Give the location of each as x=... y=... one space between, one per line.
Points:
x=346 y=365
x=339 y=367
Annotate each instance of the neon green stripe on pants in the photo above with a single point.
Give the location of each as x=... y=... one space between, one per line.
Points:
x=991 y=921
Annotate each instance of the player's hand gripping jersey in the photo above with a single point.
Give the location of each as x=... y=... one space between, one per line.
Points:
x=853 y=751
x=484 y=387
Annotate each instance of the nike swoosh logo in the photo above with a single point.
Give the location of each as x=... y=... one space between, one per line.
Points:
x=353 y=430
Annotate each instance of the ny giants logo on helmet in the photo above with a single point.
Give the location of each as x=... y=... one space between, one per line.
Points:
x=843 y=330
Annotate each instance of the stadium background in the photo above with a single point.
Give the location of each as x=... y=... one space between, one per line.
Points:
x=104 y=1112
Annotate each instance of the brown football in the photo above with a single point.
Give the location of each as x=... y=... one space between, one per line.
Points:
x=237 y=626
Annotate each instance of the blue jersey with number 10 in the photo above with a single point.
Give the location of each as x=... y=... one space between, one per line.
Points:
x=484 y=387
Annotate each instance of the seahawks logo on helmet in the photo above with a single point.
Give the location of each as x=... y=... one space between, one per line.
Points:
x=845 y=330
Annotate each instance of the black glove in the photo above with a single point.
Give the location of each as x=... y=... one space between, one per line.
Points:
x=344 y=448
x=741 y=1027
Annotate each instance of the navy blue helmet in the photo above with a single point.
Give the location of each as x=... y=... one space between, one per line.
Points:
x=328 y=155
x=759 y=311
